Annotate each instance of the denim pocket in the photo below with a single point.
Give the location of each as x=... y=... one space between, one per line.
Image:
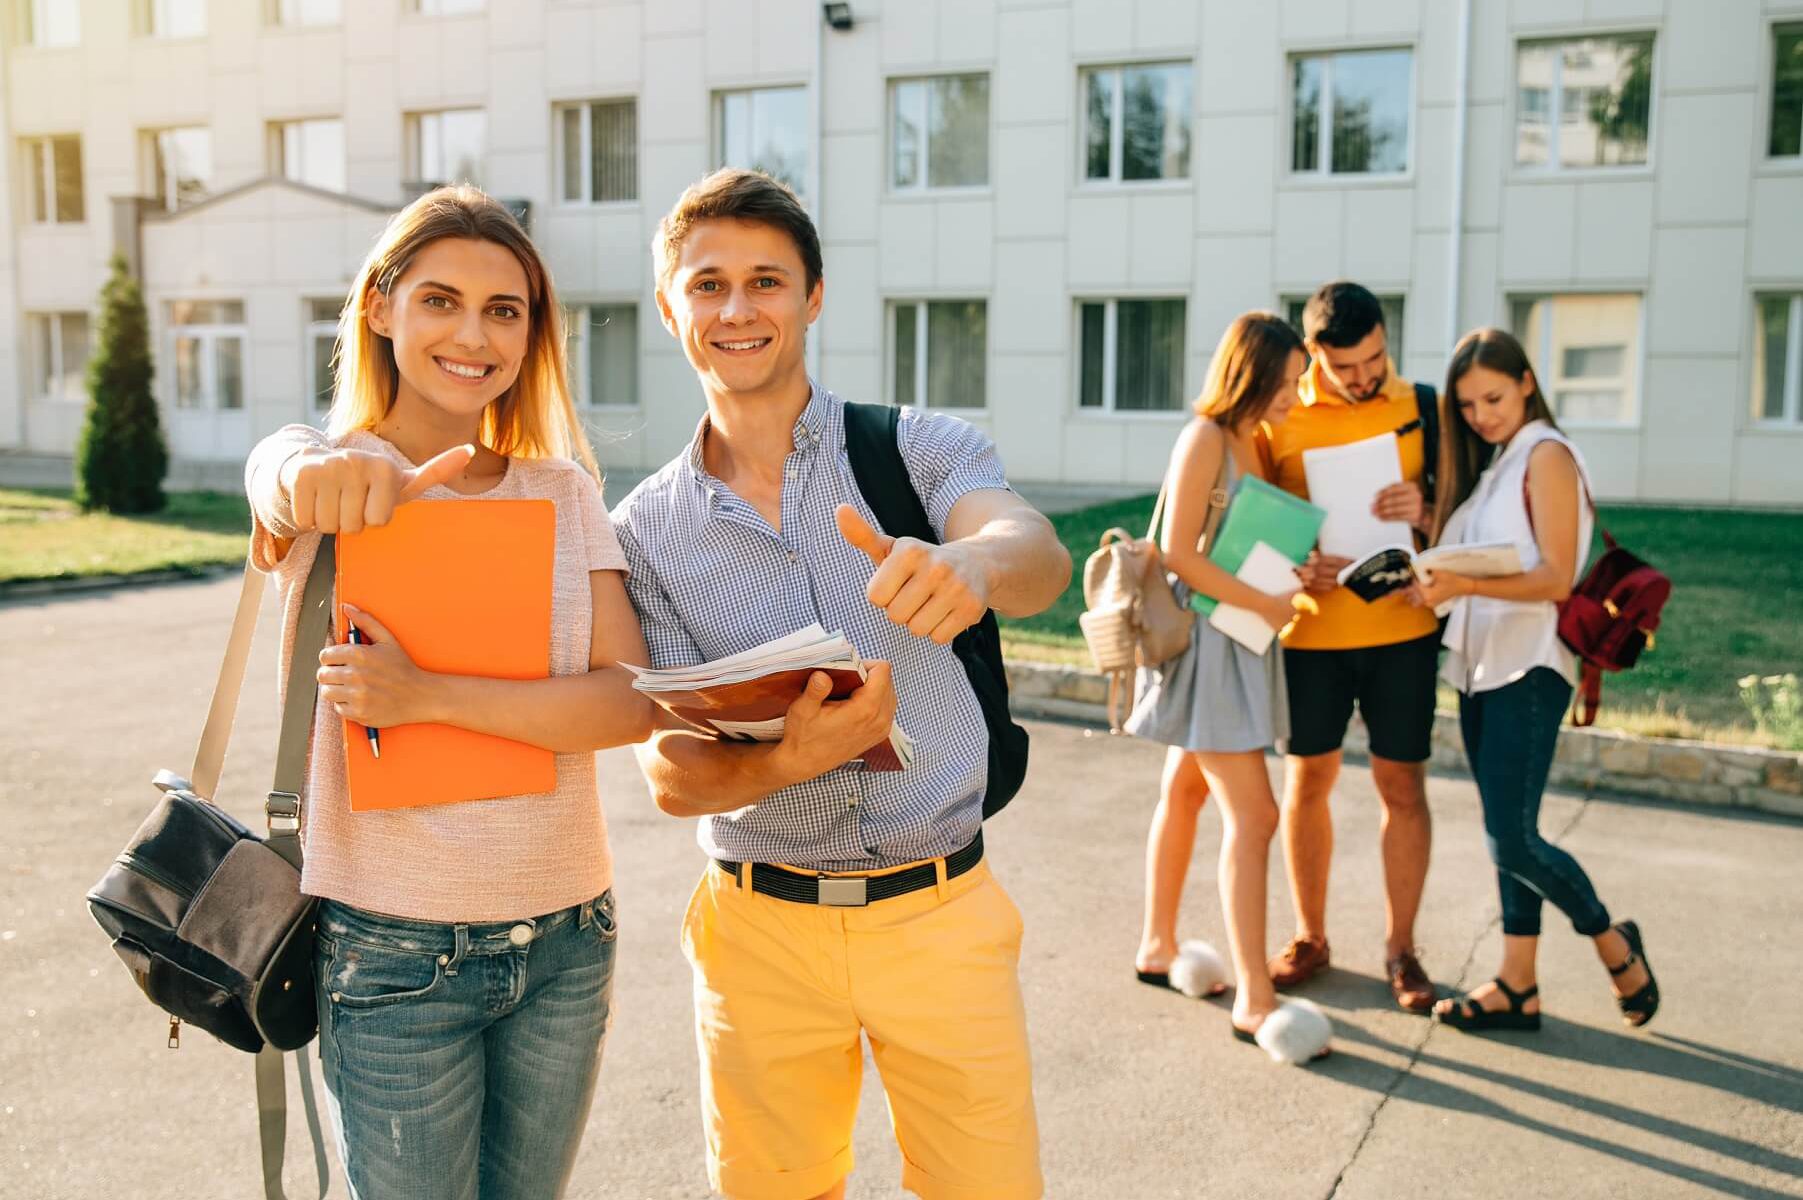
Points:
x=359 y=975
x=606 y=926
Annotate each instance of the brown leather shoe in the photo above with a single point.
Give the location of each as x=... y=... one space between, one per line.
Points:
x=1298 y=962
x=1413 y=990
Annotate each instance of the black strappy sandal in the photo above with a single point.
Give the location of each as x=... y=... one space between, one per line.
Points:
x=1470 y=1016
x=1638 y=1009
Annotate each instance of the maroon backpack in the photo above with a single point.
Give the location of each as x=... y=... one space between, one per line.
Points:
x=1611 y=614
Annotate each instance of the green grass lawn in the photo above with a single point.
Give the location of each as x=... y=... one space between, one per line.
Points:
x=1737 y=590
x=43 y=535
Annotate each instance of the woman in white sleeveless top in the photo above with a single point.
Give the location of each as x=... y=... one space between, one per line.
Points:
x=1501 y=453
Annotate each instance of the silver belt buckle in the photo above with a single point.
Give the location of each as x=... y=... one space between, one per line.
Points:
x=844 y=893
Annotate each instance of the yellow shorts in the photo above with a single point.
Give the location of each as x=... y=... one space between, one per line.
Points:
x=782 y=991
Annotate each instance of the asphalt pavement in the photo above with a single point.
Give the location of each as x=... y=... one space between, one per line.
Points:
x=1141 y=1093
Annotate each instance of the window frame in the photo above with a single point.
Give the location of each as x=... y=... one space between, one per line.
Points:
x=717 y=146
x=1768 y=91
x=892 y=350
x=1117 y=128
x=1552 y=170
x=35 y=369
x=153 y=166
x=144 y=23
x=1111 y=359
x=417 y=10
x=209 y=334
x=585 y=401
x=1540 y=354
x=923 y=156
x=1791 y=421
x=42 y=147
x=1322 y=173
x=586 y=107
x=313 y=329
x=28 y=24
x=272 y=18
x=278 y=150
x=414 y=144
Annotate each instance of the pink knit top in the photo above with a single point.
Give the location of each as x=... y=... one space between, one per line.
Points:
x=483 y=860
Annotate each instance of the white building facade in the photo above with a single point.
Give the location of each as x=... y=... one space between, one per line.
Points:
x=1037 y=213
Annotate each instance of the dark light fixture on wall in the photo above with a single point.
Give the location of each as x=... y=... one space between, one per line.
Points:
x=838 y=15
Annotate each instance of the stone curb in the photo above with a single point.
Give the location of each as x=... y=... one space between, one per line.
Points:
x=23 y=588
x=1587 y=760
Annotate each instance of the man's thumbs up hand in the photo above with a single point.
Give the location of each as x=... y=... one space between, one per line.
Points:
x=934 y=591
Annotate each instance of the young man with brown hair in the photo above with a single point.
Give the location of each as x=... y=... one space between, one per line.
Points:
x=838 y=902
x=1380 y=657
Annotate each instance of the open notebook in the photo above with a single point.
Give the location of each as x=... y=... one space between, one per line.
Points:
x=746 y=696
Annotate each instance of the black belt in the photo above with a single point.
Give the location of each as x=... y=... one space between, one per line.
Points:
x=854 y=891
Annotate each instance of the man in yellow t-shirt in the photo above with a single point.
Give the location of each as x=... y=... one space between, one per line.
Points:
x=1380 y=656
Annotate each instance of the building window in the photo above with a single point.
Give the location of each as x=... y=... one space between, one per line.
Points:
x=322 y=345
x=309 y=152
x=1778 y=358
x=1787 y=92
x=1131 y=355
x=939 y=130
x=207 y=340
x=1136 y=123
x=607 y=354
x=180 y=165
x=49 y=23
x=59 y=355
x=1585 y=350
x=296 y=14
x=1392 y=308
x=1351 y=113
x=170 y=18
x=941 y=353
x=764 y=129
x=53 y=172
x=1584 y=103
x=447 y=147
x=599 y=144
x=447 y=8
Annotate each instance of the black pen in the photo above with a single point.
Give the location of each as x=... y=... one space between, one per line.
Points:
x=375 y=738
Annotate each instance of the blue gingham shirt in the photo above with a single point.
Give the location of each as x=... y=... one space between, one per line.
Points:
x=709 y=578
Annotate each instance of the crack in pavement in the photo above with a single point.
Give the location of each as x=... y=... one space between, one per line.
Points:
x=1420 y=1047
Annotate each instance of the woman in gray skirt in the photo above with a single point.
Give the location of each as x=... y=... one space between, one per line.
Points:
x=1217 y=705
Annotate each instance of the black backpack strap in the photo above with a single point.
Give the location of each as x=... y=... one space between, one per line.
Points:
x=1427 y=406
x=883 y=480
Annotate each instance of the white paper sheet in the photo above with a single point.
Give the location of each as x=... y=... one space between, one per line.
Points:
x=1268 y=571
x=1344 y=480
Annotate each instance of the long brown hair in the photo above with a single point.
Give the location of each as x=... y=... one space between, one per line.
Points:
x=1247 y=369
x=535 y=418
x=1463 y=454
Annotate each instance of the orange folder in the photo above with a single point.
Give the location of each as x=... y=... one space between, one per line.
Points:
x=465 y=587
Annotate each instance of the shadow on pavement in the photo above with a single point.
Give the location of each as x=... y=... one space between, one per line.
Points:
x=1703 y=1065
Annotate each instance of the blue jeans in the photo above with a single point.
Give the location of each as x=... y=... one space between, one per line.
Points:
x=1510 y=736
x=461 y=1059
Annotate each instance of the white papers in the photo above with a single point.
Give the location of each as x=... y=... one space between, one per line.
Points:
x=813 y=648
x=1479 y=560
x=1268 y=571
x=1345 y=481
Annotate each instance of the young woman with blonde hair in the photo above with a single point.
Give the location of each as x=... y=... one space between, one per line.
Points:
x=1218 y=705
x=465 y=953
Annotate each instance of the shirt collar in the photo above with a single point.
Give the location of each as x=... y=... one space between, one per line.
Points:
x=810 y=430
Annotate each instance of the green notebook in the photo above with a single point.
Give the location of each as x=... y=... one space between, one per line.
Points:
x=1261 y=512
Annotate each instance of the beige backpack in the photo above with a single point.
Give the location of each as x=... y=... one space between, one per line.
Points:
x=1132 y=617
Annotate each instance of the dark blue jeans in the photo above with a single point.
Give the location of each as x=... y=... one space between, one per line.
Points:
x=1510 y=735
x=461 y=1059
